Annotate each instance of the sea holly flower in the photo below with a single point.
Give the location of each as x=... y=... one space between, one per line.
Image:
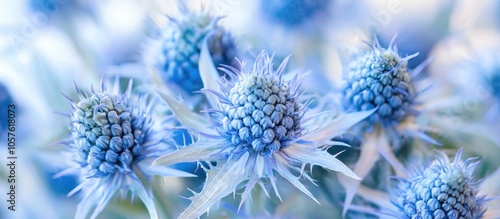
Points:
x=259 y=127
x=113 y=141
x=174 y=55
x=444 y=189
x=379 y=79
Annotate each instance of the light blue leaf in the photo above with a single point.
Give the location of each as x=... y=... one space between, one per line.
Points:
x=221 y=181
x=94 y=194
x=385 y=150
x=165 y=171
x=136 y=187
x=208 y=72
x=313 y=156
x=284 y=171
x=367 y=159
x=202 y=150
x=378 y=197
x=338 y=126
x=187 y=117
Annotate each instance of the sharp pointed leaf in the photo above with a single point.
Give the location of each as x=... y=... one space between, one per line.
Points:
x=378 y=197
x=199 y=151
x=187 y=117
x=385 y=150
x=319 y=158
x=338 y=125
x=221 y=181
x=137 y=188
x=285 y=173
x=369 y=155
x=208 y=72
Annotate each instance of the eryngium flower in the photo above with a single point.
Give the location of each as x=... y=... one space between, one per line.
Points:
x=112 y=136
x=293 y=12
x=261 y=126
x=380 y=79
x=175 y=54
x=109 y=133
x=442 y=190
x=261 y=113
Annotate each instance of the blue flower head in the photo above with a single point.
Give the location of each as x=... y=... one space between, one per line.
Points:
x=260 y=126
x=175 y=54
x=380 y=79
x=443 y=190
x=109 y=132
x=112 y=135
x=293 y=12
x=260 y=112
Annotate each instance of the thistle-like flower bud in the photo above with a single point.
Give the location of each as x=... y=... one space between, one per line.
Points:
x=443 y=190
x=262 y=112
x=379 y=78
x=108 y=131
x=175 y=54
x=112 y=134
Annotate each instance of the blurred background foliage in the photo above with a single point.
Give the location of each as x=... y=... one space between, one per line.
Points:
x=45 y=45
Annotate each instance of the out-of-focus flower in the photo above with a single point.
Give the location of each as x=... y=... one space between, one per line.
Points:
x=111 y=145
x=5 y=100
x=48 y=9
x=175 y=54
x=443 y=189
x=293 y=13
x=379 y=79
x=467 y=15
x=33 y=114
x=393 y=16
x=260 y=125
x=468 y=65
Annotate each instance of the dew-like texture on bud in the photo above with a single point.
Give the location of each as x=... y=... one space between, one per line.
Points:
x=108 y=133
x=261 y=111
x=177 y=51
x=443 y=190
x=293 y=12
x=379 y=78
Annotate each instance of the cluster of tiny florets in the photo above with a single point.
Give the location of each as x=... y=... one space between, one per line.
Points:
x=181 y=43
x=108 y=133
x=262 y=113
x=441 y=191
x=379 y=78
